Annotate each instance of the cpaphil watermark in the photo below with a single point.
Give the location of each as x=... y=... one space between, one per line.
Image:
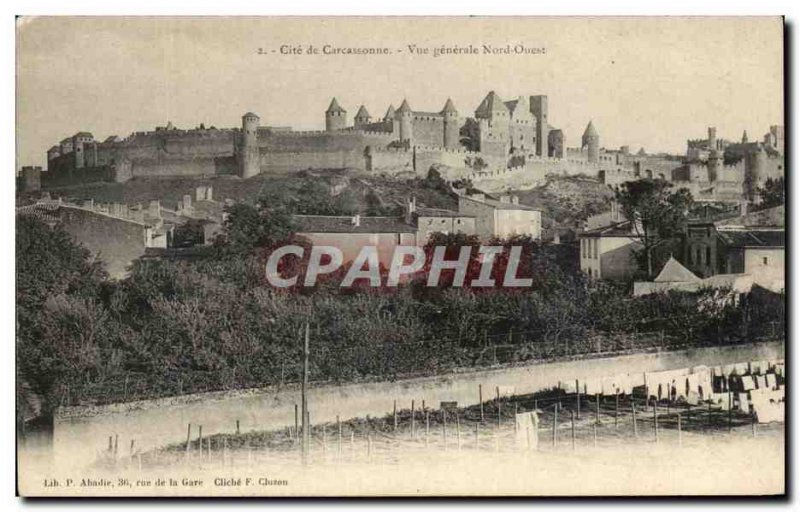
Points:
x=406 y=261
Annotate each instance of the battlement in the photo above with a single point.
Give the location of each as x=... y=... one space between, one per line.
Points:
x=134 y=215
x=442 y=149
x=388 y=149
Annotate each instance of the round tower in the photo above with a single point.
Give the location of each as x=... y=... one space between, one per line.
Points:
x=712 y=138
x=591 y=141
x=451 y=127
x=335 y=117
x=755 y=166
x=249 y=161
x=362 y=117
x=405 y=119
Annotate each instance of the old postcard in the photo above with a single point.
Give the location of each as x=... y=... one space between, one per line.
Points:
x=399 y=256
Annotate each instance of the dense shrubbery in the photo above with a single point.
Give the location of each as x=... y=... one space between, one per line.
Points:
x=211 y=324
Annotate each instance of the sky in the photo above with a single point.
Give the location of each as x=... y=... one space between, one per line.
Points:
x=644 y=82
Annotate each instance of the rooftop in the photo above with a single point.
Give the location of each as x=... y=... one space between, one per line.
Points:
x=335 y=107
x=491 y=104
x=346 y=224
x=754 y=238
x=617 y=229
x=771 y=217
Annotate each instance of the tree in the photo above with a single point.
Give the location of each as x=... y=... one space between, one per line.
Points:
x=247 y=228
x=657 y=213
x=772 y=193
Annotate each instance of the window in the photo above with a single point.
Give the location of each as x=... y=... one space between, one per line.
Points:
x=708 y=255
x=765 y=259
x=595 y=248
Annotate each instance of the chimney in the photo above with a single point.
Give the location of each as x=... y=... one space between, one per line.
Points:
x=357 y=220
x=743 y=208
x=154 y=209
x=200 y=193
x=209 y=193
x=187 y=202
x=514 y=199
x=614 y=211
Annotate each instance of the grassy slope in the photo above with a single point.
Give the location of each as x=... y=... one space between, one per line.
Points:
x=170 y=190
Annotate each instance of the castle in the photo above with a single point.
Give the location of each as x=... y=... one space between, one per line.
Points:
x=503 y=145
x=500 y=135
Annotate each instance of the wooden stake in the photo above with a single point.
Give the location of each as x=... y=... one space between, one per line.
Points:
x=597 y=408
x=572 y=420
x=427 y=427
x=578 y=397
x=616 y=410
x=238 y=430
x=296 y=423
x=394 y=414
x=730 y=411
x=477 y=433
x=555 y=425
x=480 y=399
x=633 y=410
x=753 y=421
x=594 y=431
x=655 y=420
x=499 y=414
x=200 y=441
x=338 y=435
x=413 y=419
x=458 y=430
x=444 y=428
x=516 y=411
x=304 y=398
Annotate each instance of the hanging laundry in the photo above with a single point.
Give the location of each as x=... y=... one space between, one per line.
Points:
x=744 y=404
x=759 y=367
x=610 y=385
x=505 y=391
x=593 y=386
x=748 y=383
x=570 y=386
x=772 y=382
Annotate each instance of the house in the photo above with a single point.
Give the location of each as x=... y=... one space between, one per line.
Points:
x=350 y=233
x=749 y=243
x=501 y=218
x=676 y=277
x=608 y=252
x=437 y=220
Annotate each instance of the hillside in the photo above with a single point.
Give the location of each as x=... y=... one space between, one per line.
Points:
x=348 y=191
x=566 y=200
